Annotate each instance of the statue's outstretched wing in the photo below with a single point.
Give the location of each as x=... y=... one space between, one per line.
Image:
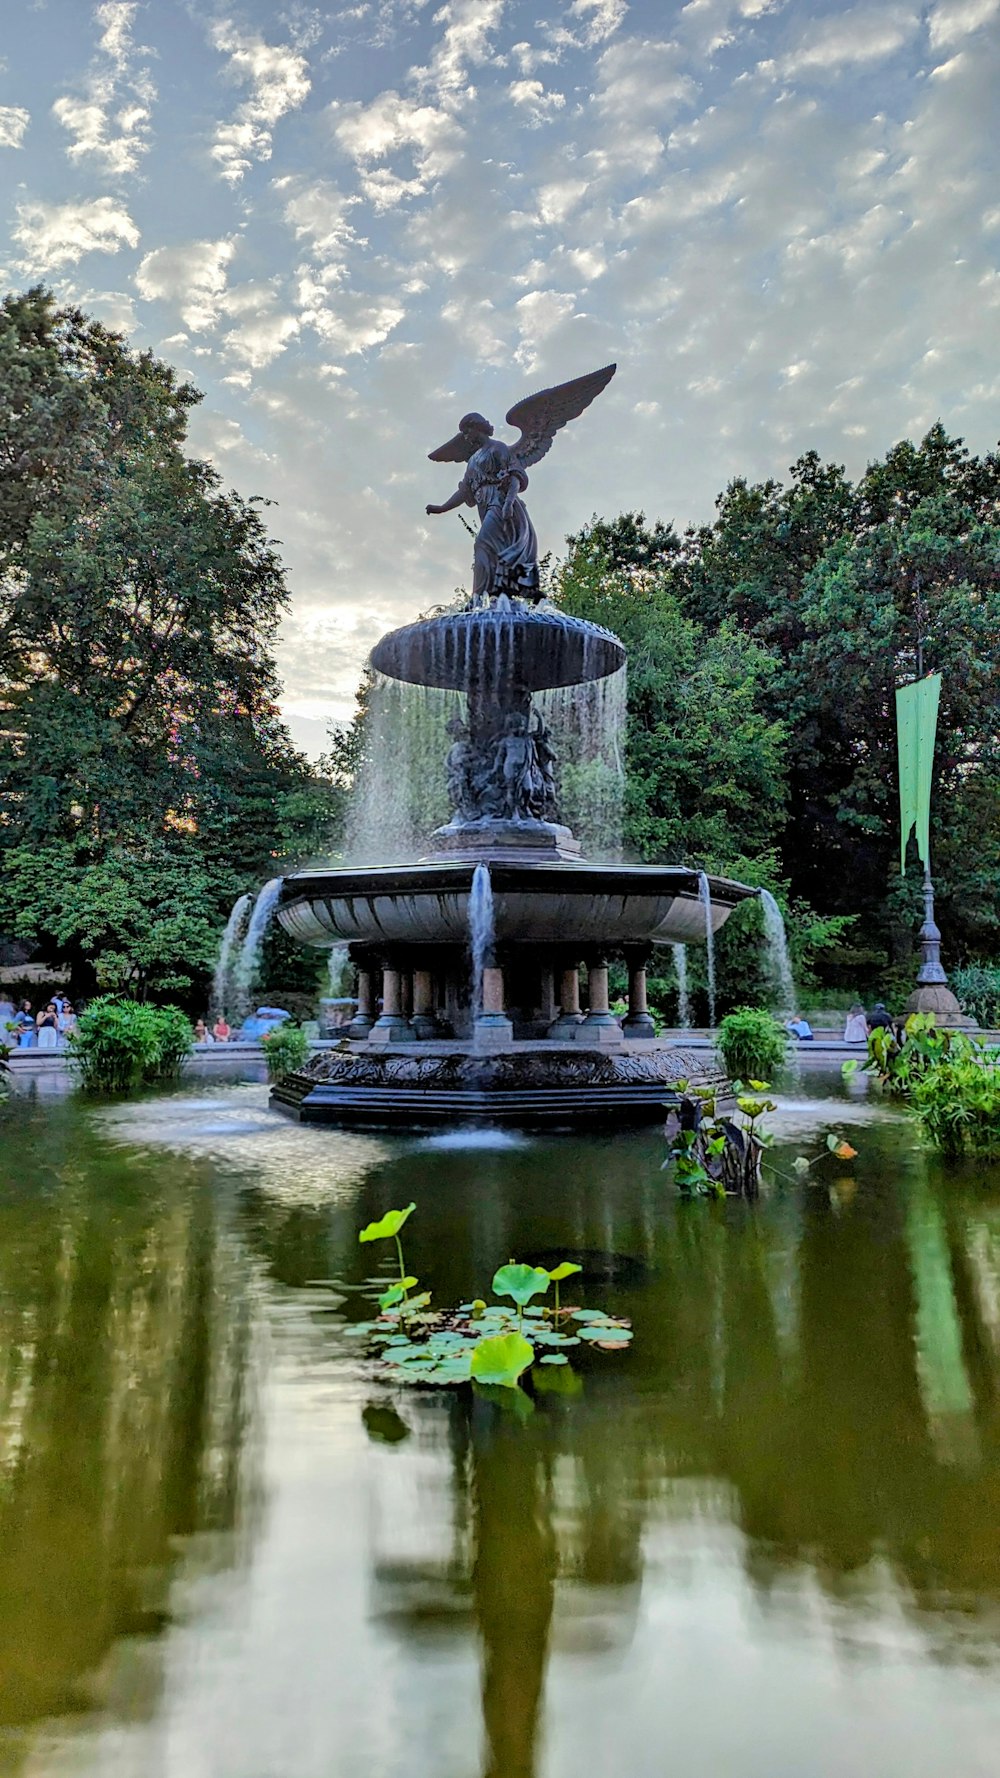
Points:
x=540 y=416
x=458 y=450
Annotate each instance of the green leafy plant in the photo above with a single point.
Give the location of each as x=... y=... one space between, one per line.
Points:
x=712 y=1152
x=951 y=1080
x=521 y=1283
x=977 y=989
x=487 y=1343
x=387 y=1229
x=121 y=1044
x=285 y=1049
x=752 y=1043
x=501 y=1359
x=565 y=1269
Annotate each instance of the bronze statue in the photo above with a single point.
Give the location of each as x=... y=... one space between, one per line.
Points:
x=505 y=559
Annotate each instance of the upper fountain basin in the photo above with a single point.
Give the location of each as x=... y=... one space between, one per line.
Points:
x=599 y=906
x=531 y=647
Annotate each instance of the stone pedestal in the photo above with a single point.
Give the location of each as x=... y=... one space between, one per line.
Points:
x=492 y=1029
x=423 y=1024
x=361 y=1024
x=932 y=993
x=599 y=1026
x=391 y=1026
x=570 y=1016
x=638 y=1023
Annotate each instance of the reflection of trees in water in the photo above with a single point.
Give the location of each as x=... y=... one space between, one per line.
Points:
x=806 y=1367
x=124 y=1346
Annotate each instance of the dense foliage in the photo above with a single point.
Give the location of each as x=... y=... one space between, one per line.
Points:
x=145 y=776
x=120 y=1044
x=952 y=1082
x=765 y=652
x=285 y=1049
x=752 y=1043
x=977 y=988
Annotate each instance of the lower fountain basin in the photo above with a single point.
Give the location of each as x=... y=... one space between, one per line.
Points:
x=565 y=903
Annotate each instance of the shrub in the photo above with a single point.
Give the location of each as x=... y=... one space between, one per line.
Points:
x=958 y=1100
x=977 y=989
x=952 y=1082
x=285 y=1049
x=752 y=1043
x=120 y=1044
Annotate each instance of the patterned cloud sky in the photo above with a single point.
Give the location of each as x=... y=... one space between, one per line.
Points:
x=351 y=223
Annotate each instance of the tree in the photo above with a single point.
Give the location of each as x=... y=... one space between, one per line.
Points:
x=705 y=774
x=141 y=753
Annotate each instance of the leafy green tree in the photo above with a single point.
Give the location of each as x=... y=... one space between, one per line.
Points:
x=704 y=761
x=143 y=764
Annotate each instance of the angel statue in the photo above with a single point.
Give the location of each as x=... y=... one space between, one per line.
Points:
x=505 y=559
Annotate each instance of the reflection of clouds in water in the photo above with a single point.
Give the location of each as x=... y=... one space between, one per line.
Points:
x=234 y=1128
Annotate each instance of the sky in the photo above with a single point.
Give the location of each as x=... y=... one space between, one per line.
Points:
x=351 y=223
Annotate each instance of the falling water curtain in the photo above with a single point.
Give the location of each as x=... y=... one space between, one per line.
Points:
x=916 y=727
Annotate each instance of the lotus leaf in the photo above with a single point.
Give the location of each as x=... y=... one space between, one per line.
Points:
x=565 y=1269
x=502 y=1358
x=387 y=1226
x=521 y=1282
x=554 y=1358
x=395 y=1293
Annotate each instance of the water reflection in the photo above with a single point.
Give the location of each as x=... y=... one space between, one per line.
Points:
x=124 y=1382
x=795 y=1470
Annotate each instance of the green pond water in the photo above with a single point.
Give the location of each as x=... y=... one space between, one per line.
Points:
x=761 y=1543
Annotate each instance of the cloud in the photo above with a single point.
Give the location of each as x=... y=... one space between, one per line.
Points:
x=316 y=211
x=952 y=19
x=392 y=124
x=278 y=77
x=109 y=119
x=842 y=39
x=54 y=235
x=14 y=120
x=465 y=42
x=191 y=275
x=531 y=97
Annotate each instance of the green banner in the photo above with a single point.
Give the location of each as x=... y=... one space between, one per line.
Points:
x=916 y=727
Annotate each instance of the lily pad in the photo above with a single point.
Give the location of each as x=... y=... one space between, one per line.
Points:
x=565 y=1269
x=502 y=1359
x=387 y=1225
x=521 y=1282
x=554 y=1358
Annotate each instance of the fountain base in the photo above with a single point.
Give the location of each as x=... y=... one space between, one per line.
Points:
x=514 y=842
x=527 y=1085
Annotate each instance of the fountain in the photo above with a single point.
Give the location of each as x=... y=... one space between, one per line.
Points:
x=223 y=997
x=683 y=999
x=475 y=946
x=705 y=896
x=248 y=963
x=779 y=963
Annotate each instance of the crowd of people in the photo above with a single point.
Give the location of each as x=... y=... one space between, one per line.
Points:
x=47 y=1029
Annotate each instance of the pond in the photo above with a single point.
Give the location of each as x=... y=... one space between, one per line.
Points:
x=760 y=1543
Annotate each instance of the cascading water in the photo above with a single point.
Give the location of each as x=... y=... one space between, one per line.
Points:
x=223 y=989
x=587 y=726
x=706 y=901
x=683 y=998
x=482 y=934
x=336 y=963
x=399 y=795
x=248 y=965
x=779 y=963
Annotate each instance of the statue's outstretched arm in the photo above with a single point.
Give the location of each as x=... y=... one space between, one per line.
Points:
x=459 y=498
